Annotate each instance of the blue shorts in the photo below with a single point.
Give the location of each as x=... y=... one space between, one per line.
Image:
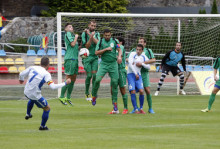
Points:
x=134 y=84
x=41 y=103
x=217 y=86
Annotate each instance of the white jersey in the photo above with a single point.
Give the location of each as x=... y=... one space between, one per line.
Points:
x=37 y=76
x=133 y=60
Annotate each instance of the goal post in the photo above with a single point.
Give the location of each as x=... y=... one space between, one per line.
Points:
x=163 y=31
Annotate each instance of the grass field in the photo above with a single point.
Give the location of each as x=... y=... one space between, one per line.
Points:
x=177 y=124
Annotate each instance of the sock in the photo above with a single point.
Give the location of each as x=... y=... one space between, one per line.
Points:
x=114 y=90
x=96 y=86
x=149 y=101
x=70 y=89
x=125 y=101
x=30 y=105
x=45 y=117
x=181 y=81
x=87 y=82
x=160 y=83
x=133 y=100
x=63 y=91
x=115 y=106
x=141 y=99
x=211 y=100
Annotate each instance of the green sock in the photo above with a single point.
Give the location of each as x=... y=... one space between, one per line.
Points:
x=63 y=91
x=211 y=100
x=70 y=89
x=93 y=79
x=125 y=101
x=87 y=83
x=96 y=86
x=114 y=90
x=149 y=101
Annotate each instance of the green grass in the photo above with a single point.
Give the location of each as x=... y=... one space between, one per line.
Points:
x=178 y=124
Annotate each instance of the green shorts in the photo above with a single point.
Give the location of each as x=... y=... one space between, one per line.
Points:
x=110 y=68
x=90 y=63
x=145 y=79
x=71 y=67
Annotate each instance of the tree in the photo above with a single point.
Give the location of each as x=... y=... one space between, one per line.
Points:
x=202 y=11
x=91 y=6
x=214 y=8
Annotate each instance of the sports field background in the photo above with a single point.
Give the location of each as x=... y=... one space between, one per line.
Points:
x=177 y=124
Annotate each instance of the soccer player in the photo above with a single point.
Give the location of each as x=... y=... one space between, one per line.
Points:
x=135 y=62
x=107 y=49
x=169 y=63
x=145 y=72
x=122 y=77
x=90 y=38
x=37 y=76
x=216 y=67
x=70 y=62
x=45 y=42
x=2 y=19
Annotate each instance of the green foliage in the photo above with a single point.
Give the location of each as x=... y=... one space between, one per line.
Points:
x=90 y=6
x=202 y=11
x=214 y=8
x=18 y=49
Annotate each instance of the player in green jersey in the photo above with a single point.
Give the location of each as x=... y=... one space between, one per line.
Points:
x=70 y=62
x=90 y=38
x=145 y=73
x=122 y=77
x=107 y=48
x=216 y=67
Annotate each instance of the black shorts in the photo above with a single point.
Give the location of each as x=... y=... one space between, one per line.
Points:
x=174 y=69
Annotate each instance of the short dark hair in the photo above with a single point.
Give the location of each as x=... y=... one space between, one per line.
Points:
x=140 y=45
x=107 y=31
x=44 y=61
x=120 y=39
x=143 y=39
x=67 y=24
x=92 y=21
x=179 y=42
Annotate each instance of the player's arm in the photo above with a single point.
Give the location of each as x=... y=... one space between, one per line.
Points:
x=54 y=86
x=72 y=39
x=119 y=60
x=131 y=63
x=183 y=61
x=165 y=57
x=129 y=54
x=88 y=44
x=23 y=74
x=96 y=40
x=216 y=65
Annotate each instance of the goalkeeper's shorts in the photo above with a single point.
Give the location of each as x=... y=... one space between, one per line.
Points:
x=174 y=69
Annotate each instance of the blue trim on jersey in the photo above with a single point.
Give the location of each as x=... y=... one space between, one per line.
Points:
x=41 y=83
x=135 y=55
x=217 y=86
x=143 y=57
x=134 y=84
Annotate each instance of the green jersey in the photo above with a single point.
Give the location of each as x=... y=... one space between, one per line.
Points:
x=122 y=65
x=108 y=56
x=71 y=52
x=85 y=39
x=216 y=65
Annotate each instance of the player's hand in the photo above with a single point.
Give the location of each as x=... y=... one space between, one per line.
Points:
x=216 y=78
x=139 y=64
x=93 y=33
x=85 y=30
x=137 y=77
x=68 y=81
x=109 y=49
x=119 y=60
x=76 y=36
x=21 y=81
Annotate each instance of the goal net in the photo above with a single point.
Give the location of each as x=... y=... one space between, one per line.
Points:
x=199 y=35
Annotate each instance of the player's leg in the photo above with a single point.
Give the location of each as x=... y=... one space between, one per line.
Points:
x=113 y=73
x=42 y=103
x=30 y=105
x=146 y=83
x=139 y=86
x=100 y=74
x=181 y=76
x=88 y=68
x=131 y=87
x=212 y=98
x=94 y=70
x=122 y=85
x=163 y=76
